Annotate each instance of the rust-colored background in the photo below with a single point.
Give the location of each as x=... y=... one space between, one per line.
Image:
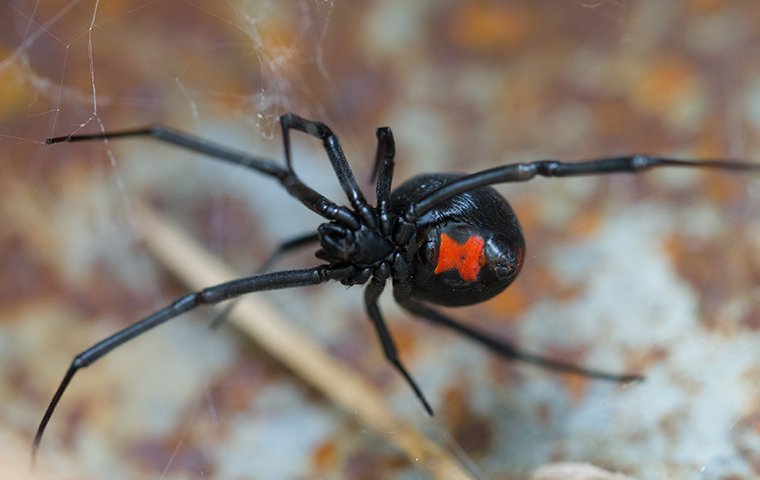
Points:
x=656 y=274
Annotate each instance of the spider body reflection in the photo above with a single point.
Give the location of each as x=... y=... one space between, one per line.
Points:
x=440 y=238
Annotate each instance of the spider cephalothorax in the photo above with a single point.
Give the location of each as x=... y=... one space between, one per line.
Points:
x=364 y=248
x=440 y=238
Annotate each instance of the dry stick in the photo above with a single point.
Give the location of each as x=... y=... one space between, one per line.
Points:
x=267 y=327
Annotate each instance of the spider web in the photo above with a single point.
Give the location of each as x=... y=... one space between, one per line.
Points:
x=465 y=86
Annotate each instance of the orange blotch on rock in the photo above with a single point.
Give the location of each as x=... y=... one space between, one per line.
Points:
x=510 y=303
x=584 y=225
x=576 y=386
x=17 y=91
x=665 y=85
x=325 y=457
x=489 y=27
x=706 y=6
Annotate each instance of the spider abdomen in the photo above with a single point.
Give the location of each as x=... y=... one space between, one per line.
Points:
x=465 y=250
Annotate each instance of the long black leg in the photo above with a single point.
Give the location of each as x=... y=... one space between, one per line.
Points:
x=504 y=348
x=208 y=296
x=284 y=248
x=521 y=172
x=186 y=141
x=337 y=159
x=371 y=295
x=383 y=171
x=308 y=197
x=402 y=292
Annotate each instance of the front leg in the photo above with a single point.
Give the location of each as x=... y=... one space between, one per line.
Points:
x=337 y=160
x=522 y=172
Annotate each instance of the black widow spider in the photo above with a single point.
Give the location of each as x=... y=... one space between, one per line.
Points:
x=445 y=239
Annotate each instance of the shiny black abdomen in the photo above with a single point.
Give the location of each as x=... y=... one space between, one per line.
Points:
x=482 y=210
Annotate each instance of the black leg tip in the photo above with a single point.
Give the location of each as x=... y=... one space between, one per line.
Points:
x=52 y=140
x=632 y=378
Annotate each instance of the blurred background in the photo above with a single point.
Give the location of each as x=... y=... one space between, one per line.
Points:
x=656 y=274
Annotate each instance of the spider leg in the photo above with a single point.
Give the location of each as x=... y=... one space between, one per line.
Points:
x=308 y=197
x=402 y=292
x=208 y=296
x=521 y=172
x=371 y=295
x=182 y=140
x=383 y=171
x=386 y=150
x=504 y=348
x=284 y=248
x=337 y=159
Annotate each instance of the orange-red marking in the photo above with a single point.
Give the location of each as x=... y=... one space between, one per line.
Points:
x=466 y=258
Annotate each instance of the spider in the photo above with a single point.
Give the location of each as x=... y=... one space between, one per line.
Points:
x=441 y=238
